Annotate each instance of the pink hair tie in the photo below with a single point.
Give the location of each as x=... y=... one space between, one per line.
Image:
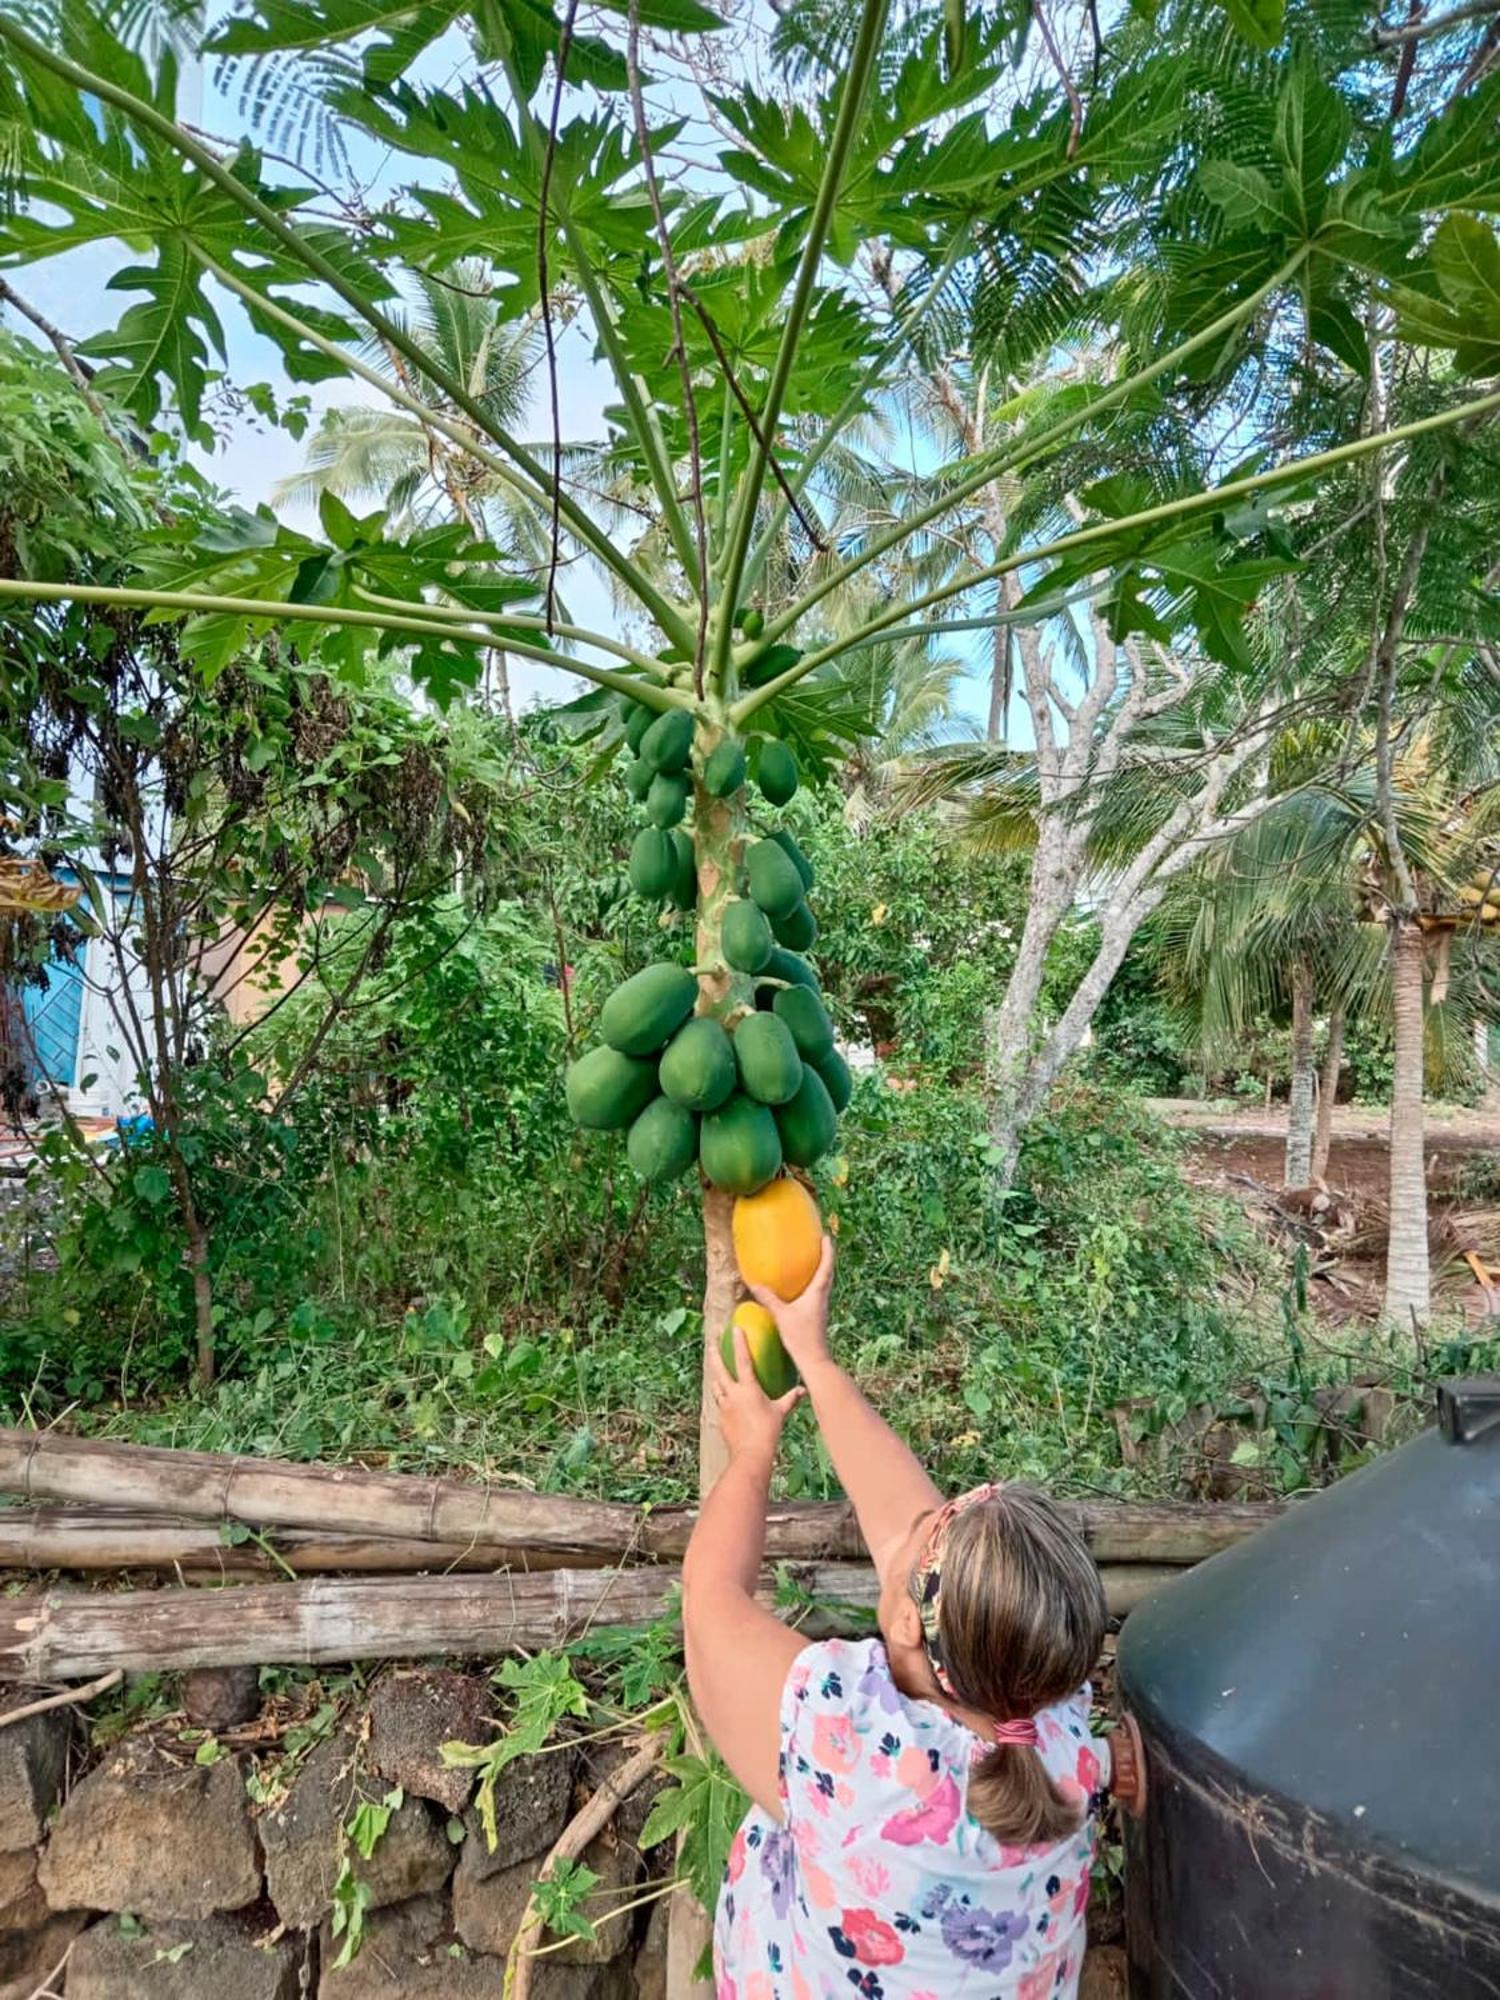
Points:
x=1022 y=1730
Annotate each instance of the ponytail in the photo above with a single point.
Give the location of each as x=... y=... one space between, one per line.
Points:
x=1021 y=1615
x=1014 y=1799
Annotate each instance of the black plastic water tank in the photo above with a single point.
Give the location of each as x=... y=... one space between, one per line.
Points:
x=1320 y=1714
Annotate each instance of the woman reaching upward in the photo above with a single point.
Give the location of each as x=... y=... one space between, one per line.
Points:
x=922 y=1825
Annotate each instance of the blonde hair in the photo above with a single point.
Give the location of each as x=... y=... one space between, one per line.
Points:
x=1022 y=1620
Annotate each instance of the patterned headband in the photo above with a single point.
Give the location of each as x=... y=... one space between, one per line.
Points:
x=927 y=1590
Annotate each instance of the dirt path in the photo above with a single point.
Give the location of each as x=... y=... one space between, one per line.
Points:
x=1240 y=1153
x=1253 y=1141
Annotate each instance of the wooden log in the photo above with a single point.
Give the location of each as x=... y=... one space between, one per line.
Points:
x=78 y=1538
x=81 y=1539
x=65 y=1634
x=270 y=1493
x=353 y=1501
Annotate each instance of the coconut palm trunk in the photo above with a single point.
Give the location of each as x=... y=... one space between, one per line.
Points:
x=1299 y=1130
x=1328 y=1090
x=1408 y=1295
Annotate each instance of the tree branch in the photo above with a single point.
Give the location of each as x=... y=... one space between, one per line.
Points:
x=679 y=345
x=312 y=259
x=810 y=527
x=1412 y=31
x=63 y=348
x=544 y=295
x=1065 y=76
x=1185 y=508
x=248 y=608
x=851 y=107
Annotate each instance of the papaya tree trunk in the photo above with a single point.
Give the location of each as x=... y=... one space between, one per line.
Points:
x=719 y=839
x=721 y=1294
x=1299 y=1124
x=1328 y=1091
x=1408 y=1292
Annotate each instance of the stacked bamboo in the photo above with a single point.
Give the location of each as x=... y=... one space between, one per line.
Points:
x=386 y=1565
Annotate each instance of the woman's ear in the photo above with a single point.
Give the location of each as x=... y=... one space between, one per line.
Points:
x=906 y=1624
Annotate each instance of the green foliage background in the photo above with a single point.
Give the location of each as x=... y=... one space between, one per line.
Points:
x=423 y=1260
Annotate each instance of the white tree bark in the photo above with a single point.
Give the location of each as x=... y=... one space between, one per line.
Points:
x=1082 y=739
x=1328 y=1092
x=1080 y=746
x=1299 y=1123
x=1408 y=1285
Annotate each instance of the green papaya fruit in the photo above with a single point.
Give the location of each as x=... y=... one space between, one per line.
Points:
x=768 y=664
x=807 y=1019
x=765 y=1054
x=638 y=719
x=640 y=1016
x=739 y=1147
x=776 y=773
x=607 y=1091
x=663 y=1141
x=788 y=845
x=666 y=802
x=808 y=1123
x=746 y=937
x=684 y=890
x=774 y=882
x=797 y=930
x=753 y=622
x=653 y=865
x=639 y=778
x=668 y=743
x=773 y=1367
x=698 y=1067
x=724 y=772
x=787 y=966
x=837 y=1079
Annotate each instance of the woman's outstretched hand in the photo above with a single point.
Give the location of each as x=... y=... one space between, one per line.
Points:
x=802 y=1322
x=750 y=1420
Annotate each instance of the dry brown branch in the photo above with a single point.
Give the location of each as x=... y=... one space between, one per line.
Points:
x=67 y=1699
x=585 y=1825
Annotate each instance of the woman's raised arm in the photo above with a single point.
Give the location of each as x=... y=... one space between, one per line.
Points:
x=887 y=1486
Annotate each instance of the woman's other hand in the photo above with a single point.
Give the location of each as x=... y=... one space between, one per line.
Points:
x=750 y=1420
x=802 y=1322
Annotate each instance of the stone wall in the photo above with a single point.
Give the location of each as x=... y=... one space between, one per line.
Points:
x=200 y=1863
x=143 y=1873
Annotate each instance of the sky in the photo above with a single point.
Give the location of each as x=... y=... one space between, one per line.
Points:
x=254 y=456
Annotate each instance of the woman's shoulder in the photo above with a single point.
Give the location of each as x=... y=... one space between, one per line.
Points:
x=845 y=1678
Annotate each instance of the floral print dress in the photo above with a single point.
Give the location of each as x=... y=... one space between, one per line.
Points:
x=877 y=1883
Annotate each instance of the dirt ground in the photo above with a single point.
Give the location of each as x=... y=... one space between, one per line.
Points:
x=1240 y=1152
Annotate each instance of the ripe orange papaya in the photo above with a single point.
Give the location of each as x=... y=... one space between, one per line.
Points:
x=778 y=1238
x=772 y=1364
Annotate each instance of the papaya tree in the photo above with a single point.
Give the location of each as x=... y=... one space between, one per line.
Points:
x=913 y=190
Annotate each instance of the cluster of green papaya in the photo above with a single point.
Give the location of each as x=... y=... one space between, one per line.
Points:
x=658 y=777
x=740 y=1099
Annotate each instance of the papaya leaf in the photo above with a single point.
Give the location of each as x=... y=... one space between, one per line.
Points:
x=166 y=336
x=1259 y=22
x=703 y=1809
x=546 y=1693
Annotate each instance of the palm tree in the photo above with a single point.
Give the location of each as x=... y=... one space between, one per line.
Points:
x=1302 y=908
x=379 y=452
x=1268 y=925
x=421 y=473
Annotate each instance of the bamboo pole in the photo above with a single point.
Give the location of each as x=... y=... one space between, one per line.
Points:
x=495 y=1524
x=67 y=1634
x=81 y=1539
